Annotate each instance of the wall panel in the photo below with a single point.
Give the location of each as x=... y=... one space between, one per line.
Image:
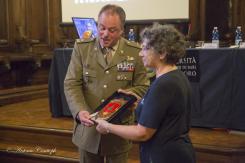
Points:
x=4 y=32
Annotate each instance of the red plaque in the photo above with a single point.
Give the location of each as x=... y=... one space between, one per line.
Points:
x=113 y=106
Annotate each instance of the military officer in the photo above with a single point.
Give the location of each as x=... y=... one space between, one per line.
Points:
x=92 y=77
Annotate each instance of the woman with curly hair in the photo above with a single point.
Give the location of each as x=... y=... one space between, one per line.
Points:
x=163 y=114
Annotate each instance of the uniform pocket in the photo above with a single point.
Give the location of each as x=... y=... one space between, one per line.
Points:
x=89 y=78
x=89 y=73
x=79 y=129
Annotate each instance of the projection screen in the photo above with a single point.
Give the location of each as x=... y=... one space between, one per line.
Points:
x=135 y=9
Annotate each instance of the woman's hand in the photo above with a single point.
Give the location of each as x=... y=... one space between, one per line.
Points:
x=128 y=92
x=102 y=126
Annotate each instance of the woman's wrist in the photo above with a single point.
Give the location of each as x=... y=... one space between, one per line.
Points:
x=107 y=127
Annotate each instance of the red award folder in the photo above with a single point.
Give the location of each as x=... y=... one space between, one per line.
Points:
x=112 y=107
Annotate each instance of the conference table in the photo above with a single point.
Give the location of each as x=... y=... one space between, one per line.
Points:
x=217 y=79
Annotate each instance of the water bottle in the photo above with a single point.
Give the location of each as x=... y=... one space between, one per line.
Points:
x=215 y=35
x=238 y=35
x=131 y=35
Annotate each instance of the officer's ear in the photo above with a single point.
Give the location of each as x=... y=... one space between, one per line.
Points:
x=121 y=32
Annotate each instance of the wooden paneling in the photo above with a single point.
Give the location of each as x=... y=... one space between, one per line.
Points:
x=238 y=14
x=30 y=123
x=194 y=15
x=24 y=70
x=54 y=22
x=33 y=28
x=242 y=16
x=217 y=14
x=17 y=23
x=28 y=23
x=226 y=14
x=37 y=23
x=3 y=19
x=4 y=33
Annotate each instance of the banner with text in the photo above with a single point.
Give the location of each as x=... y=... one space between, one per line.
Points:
x=190 y=66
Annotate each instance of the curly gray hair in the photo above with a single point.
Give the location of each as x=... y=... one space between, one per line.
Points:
x=165 y=38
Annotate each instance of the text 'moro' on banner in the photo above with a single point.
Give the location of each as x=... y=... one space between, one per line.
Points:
x=189 y=64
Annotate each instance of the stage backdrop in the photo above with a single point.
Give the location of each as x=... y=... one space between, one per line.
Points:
x=135 y=9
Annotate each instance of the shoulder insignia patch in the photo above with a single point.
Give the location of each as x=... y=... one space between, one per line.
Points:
x=133 y=44
x=80 y=41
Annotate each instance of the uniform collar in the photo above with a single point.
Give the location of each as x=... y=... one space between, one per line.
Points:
x=114 y=48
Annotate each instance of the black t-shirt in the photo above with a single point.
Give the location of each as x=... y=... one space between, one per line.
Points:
x=166 y=108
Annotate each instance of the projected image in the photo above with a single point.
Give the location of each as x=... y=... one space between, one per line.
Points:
x=86 y=27
x=135 y=9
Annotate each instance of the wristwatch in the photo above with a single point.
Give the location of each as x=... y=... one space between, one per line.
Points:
x=78 y=119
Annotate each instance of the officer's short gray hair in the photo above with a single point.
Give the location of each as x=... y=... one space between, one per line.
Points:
x=114 y=9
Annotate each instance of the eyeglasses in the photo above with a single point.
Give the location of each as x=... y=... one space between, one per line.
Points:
x=145 y=48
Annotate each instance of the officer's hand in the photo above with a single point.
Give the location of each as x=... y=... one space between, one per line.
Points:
x=84 y=117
